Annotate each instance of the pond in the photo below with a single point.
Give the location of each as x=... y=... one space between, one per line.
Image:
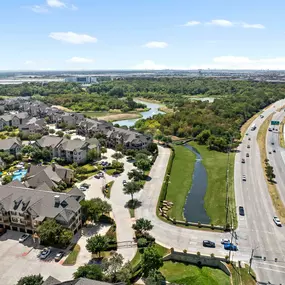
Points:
x=153 y=110
x=194 y=210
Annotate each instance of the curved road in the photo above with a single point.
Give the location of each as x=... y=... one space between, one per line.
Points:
x=256 y=229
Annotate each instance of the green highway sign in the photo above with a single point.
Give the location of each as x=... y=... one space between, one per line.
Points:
x=275 y=123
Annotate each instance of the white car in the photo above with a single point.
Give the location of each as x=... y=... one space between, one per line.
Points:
x=225 y=240
x=24 y=237
x=45 y=253
x=243 y=178
x=277 y=221
x=82 y=188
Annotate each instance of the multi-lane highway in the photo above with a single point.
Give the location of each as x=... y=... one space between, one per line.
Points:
x=257 y=229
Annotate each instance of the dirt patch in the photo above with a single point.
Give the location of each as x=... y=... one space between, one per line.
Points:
x=274 y=194
x=61 y=108
x=118 y=117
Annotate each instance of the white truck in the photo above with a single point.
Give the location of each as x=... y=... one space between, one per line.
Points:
x=253 y=127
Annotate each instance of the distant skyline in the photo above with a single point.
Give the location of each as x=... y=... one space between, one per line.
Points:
x=146 y=34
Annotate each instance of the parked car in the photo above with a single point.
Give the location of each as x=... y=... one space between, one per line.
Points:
x=2 y=231
x=59 y=256
x=225 y=240
x=261 y=116
x=241 y=210
x=45 y=253
x=277 y=221
x=230 y=246
x=242 y=160
x=124 y=182
x=208 y=243
x=243 y=178
x=86 y=185
x=247 y=155
x=97 y=176
x=82 y=188
x=24 y=237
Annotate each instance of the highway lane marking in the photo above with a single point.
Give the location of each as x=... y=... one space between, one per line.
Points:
x=270 y=269
x=274 y=265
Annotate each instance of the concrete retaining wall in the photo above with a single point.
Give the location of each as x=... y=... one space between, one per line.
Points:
x=202 y=260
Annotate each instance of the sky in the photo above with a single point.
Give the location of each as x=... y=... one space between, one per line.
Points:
x=142 y=34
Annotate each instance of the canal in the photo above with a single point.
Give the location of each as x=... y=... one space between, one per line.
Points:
x=194 y=210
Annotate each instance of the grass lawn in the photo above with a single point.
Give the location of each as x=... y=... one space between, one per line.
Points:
x=274 y=194
x=240 y=276
x=281 y=135
x=71 y=259
x=215 y=199
x=186 y=274
x=180 y=180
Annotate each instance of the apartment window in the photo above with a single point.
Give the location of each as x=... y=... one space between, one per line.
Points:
x=14 y=220
x=22 y=221
x=21 y=214
x=13 y=213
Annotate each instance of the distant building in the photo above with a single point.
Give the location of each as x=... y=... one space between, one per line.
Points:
x=81 y=79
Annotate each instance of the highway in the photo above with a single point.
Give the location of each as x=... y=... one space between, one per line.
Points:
x=256 y=228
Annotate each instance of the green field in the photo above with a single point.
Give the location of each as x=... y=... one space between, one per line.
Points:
x=215 y=198
x=180 y=273
x=180 y=180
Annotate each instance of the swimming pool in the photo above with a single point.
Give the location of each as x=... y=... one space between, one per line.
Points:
x=19 y=174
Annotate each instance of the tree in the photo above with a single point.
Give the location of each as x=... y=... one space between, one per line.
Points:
x=269 y=172
x=117 y=155
x=7 y=179
x=67 y=136
x=125 y=274
x=103 y=150
x=96 y=244
x=151 y=260
x=202 y=138
x=152 y=147
x=92 y=155
x=51 y=131
x=31 y=280
x=154 y=278
x=131 y=188
x=113 y=265
x=143 y=164
x=94 y=208
x=50 y=233
x=135 y=174
x=60 y=133
x=90 y=271
x=142 y=225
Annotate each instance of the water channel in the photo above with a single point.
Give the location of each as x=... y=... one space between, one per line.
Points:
x=153 y=110
x=194 y=210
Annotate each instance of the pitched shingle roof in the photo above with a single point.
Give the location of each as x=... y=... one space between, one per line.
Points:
x=8 y=143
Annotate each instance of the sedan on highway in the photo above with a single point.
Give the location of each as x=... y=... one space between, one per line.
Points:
x=277 y=221
x=247 y=155
x=225 y=240
x=230 y=246
x=208 y=243
x=241 y=210
x=242 y=160
x=243 y=178
x=248 y=146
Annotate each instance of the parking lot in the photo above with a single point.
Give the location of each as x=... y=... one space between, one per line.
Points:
x=20 y=259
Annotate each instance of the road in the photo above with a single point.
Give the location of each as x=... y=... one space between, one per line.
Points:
x=257 y=229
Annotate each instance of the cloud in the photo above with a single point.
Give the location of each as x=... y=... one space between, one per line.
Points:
x=73 y=7
x=252 y=26
x=191 y=23
x=72 y=38
x=29 y=62
x=39 y=9
x=156 y=45
x=149 y=64
x=243 y=62
x=56 y=4
x=221 y=23
x=76 y=59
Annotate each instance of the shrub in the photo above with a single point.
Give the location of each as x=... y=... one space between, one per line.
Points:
x=212 y=255
x=184 y=250
x=198 y=253
x=142 y=242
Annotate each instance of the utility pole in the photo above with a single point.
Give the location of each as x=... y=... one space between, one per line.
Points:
x=250 y=261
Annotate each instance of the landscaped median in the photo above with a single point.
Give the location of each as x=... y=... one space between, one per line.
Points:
x=71 y=259
x=178 y=180
x=274 y=194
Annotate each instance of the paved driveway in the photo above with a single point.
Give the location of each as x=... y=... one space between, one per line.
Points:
x=18 y=260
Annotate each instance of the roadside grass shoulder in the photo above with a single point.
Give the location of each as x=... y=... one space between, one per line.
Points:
x=215 y=199
x=180 y=180
x=281 y=134
x=240 y=276
x=274 y=194
x=186 y=274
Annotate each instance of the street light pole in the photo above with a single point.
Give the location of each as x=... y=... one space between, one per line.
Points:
x=250 y=261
